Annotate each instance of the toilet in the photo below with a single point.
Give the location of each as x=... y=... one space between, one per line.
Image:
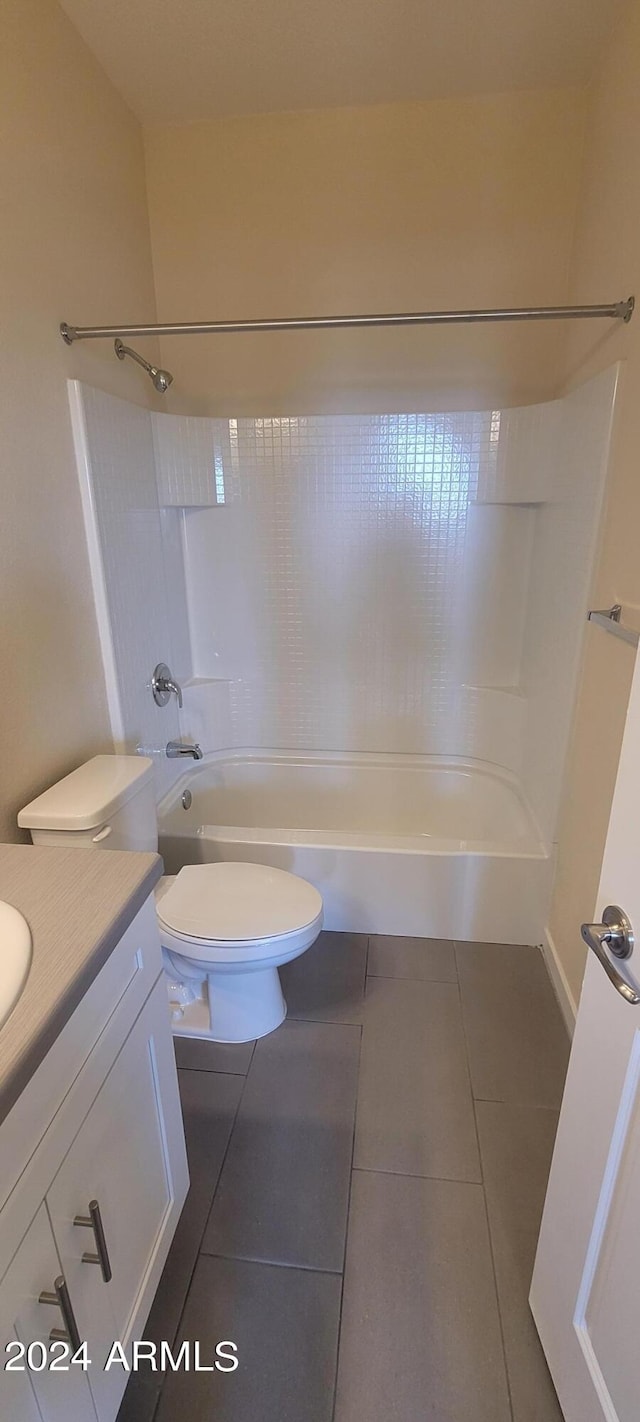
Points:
x=225 y=928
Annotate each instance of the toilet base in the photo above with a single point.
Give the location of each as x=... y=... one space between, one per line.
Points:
x=234 y=1007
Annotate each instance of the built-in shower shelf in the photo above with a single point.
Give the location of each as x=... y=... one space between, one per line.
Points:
x=523 y=503
x=183 y=503
x=196 y=683
x=502 y=688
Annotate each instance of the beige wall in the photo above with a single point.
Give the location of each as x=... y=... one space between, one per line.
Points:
x=73 y=245
x=605 y=265
x=452 y=203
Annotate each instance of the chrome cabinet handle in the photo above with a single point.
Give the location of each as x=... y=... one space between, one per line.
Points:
x=60 y=1299
x=614 y=934
x=94 y=1221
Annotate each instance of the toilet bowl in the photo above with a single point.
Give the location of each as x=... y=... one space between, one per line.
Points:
x=225 y=928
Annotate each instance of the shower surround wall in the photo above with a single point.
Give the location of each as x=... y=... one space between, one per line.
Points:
x=413 y=584
x=137 y=570
x=399 y=583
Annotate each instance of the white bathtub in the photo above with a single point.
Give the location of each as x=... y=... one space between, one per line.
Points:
x=395 y=844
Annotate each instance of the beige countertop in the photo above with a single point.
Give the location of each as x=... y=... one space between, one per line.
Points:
x=78 y=904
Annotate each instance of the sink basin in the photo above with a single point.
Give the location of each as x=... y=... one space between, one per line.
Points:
x=15 y=957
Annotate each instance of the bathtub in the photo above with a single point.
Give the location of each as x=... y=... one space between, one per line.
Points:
x=395 y=844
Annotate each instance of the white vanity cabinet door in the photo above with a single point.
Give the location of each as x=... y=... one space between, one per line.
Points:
x=37 y=1396
x=128 y=1155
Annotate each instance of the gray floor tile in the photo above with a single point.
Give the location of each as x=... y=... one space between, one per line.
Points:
x=141 y=1397
x=283 y=1192
x=209 y=1104
x=516 y=1144
x=326 y=984
x=415 y=1109
x=420 y=1334
x=533 y=1396
x=517 y=1040
x=196 y=1054
x=429 y=958
x=285 y=1325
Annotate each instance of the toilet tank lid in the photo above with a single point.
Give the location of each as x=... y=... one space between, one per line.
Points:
x=89 y=795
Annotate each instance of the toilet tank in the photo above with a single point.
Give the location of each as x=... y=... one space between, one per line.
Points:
x=108 y=803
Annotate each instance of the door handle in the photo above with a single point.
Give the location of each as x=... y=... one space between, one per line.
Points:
x=613 y=935
x=60 y=1299
x=94 y=1221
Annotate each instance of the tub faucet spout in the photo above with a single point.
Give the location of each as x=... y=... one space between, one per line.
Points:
x=180 y=748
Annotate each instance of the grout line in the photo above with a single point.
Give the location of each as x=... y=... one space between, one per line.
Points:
x=272 y=1264
x=518 y=1105
x=226 y=1152
x=454 y=944
x=486 y=1206
x=346 y=1232
x=322 y=1022
x=411 y=1175
x=215 y=1191
x=406 y=978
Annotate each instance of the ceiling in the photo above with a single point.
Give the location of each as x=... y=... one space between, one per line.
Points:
x=180 y=60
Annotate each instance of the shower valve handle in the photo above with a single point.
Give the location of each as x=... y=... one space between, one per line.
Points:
x=163 y=685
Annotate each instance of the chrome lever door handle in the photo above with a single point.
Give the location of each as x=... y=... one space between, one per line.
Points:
x=613 y=935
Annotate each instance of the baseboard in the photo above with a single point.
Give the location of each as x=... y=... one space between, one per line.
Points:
x=559 y=982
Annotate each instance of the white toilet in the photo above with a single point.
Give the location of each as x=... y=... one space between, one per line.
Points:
x=225 y=928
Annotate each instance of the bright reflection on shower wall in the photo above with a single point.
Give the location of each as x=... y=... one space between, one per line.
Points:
x=333 y=579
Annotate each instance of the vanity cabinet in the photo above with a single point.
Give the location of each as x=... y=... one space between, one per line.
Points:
x=107 y=1180
x=30 y=1394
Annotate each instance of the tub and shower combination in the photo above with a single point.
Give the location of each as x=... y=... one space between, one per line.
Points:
x=396 y=844
x=401 y=581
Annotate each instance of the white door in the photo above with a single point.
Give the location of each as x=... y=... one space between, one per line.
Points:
x=585 y=1293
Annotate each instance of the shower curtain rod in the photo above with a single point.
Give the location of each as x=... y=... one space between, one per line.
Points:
x=617 y=311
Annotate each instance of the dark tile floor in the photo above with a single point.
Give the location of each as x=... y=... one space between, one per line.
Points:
x=366 y=1189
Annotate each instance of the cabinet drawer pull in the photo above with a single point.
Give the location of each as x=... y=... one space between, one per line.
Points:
x=60 y=1299
x=94 y=1221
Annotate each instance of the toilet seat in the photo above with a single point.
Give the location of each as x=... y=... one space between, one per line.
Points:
x=236 y=912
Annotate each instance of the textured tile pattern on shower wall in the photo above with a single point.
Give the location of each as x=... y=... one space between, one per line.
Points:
x=329 y=590
x=190 y=453
x=143 y=572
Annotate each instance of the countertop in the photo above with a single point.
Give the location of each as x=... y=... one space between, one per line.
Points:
x=78 y=904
